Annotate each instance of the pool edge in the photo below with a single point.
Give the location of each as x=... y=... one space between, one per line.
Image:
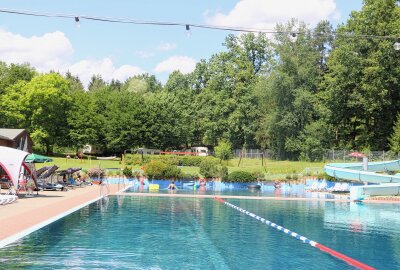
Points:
x=15 y=237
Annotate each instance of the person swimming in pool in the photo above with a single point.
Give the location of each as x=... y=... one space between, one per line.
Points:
x=172 y=186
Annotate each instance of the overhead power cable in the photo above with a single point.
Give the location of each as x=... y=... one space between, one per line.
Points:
x=78 y=18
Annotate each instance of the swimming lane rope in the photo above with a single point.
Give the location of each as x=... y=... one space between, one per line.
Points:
x=305 y=240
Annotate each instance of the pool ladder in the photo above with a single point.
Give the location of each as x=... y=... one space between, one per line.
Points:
x=121 y=184
x=104 y=189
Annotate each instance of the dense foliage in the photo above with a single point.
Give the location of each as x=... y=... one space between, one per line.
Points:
x=158 y=169
x=240 y=177
x=223 y=150
x=137 y=159
x=127 y=171
x=295 y=97
x=211 y=168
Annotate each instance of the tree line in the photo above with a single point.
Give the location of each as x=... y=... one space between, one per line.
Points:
x=296 y=95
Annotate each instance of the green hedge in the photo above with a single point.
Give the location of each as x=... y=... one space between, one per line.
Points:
x=159 y=169
x=127 y=171
x=240 y=177
x=136 y=159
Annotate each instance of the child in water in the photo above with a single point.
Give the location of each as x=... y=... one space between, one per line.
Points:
x=172 y=186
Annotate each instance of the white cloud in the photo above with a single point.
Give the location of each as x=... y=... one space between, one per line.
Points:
x=52 y=51
x=49 y=51
x=184 y=64
x=85 y=69
x=166 y=46
x=267 y=13
x=144 y=54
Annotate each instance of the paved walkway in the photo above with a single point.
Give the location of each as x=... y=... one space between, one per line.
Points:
x=25 y=213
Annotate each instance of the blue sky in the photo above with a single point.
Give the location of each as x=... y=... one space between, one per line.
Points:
x=122 y=50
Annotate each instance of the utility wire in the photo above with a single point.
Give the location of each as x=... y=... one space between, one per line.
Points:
x=77 y=18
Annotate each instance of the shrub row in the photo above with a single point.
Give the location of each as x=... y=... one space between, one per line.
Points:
x=159 y=169
x=177 y=160
x=240 y=177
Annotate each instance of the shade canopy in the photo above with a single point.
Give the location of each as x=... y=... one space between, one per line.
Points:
x=11 y=160
x=36 y=158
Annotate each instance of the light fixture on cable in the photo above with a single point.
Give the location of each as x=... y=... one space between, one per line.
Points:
x=293 y=37
x=188 y=32
x=77 y=22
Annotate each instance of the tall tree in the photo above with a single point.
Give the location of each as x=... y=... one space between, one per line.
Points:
x=45 y=105
x=11 y=74
x=226 y=104
x=362 y=86
x=288 y=94
x=84 y=120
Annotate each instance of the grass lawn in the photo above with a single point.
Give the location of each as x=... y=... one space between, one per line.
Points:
x=273 y=169
x=64 y=163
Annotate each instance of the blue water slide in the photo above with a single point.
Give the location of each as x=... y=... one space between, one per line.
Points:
x=355 y=172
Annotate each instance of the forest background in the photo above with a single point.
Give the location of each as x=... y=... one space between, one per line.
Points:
x=296 y=93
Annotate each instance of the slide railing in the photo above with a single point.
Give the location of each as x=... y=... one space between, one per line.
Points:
x=377 y=171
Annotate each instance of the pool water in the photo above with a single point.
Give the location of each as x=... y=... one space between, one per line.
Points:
x=127 y=232
x=218 y=188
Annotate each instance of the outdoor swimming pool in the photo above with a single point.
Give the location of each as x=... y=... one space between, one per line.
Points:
x=128 y=232
x=234 y=189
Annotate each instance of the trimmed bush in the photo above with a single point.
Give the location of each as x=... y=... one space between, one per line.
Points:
x=161 y=170
x=136 y=159
x=240 y=177
x=127 y=171
x=210 y=167
x=224 y=173
x=259 y=175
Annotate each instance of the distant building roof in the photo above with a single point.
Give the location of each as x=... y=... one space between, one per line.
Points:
x=4 y=138
x=10 y=133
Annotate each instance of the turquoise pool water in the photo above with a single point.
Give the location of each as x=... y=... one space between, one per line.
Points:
x=126 y=232
x=235 y=189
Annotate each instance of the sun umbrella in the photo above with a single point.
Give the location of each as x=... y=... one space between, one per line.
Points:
x=356 y=155
x=36 y=158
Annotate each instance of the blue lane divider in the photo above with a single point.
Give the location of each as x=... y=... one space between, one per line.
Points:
x=305 y=240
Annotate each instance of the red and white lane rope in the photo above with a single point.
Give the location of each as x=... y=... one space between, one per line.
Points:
x=305 y=240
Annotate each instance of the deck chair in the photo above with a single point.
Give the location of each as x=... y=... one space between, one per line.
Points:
x=41 y=171
x=336 y=187
x=322 y=186
x=7 y=199
x=45 y=176
x=67 y=174
x=12 y=191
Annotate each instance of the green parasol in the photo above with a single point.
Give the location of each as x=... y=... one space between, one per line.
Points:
x=36 y=158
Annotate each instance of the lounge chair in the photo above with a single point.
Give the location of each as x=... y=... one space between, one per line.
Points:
x=6 y=184
x=313 y=187
x=66 y=174
x=45 y=176
x=7 y=199
x=322 y=186
x=336 y=187
x=341 y=188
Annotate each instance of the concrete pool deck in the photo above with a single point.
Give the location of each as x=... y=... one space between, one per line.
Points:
x=29 y=214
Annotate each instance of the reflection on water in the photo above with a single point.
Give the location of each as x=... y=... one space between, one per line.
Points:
x=266 y=189
x=363 y=217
